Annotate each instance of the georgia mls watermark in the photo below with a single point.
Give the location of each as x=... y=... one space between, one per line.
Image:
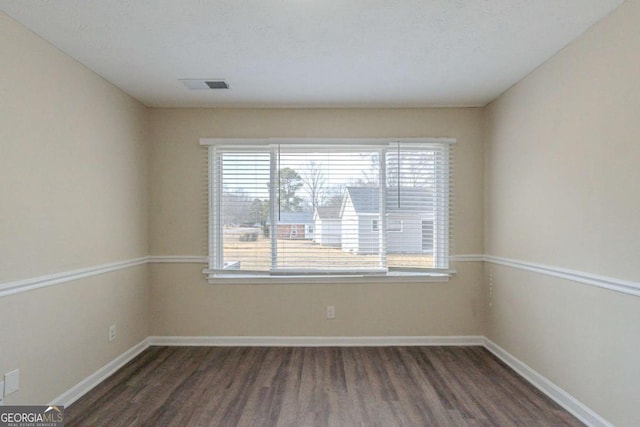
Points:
x=32 y=416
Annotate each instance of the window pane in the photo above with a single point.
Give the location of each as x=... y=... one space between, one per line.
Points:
x=412 y=192
x=245 y=211
x=327 y=196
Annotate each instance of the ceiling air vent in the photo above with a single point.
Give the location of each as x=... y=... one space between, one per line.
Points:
x=217 y=84
x=196 y=84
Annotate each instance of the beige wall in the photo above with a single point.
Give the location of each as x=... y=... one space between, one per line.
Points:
x=560 y=180
x=57 y=336
x=562 y=185
x=73 y=191
x=184 y=304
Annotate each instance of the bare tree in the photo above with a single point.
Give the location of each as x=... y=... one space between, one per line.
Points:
x=334 y=196
x=315 y=183
x=371 y=174
x=410 y=168
x=235 y=205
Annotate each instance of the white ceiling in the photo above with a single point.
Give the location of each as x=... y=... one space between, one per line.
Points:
x=311 y=53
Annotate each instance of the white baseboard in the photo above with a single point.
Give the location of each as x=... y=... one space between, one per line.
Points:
x=366 y=341
x=84 y=386
x=561 y=397
x=564 y=399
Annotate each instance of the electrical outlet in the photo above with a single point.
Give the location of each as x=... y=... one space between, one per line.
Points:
x=331 y=312
x=112 y=332
x=12 y=382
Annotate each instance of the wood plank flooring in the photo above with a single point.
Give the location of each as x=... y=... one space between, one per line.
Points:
x=321 y=386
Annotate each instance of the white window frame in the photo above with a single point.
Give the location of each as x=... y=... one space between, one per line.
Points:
x=215 y=253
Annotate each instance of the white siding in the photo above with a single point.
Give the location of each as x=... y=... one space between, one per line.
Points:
x=409 y=240
x=328 y=232
x=349 y=226
x=368 y=239
x=318 y=233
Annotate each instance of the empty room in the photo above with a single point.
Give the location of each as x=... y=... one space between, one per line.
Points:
x=319 y=213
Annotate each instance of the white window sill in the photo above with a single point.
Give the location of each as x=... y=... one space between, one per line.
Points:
x=252 y=279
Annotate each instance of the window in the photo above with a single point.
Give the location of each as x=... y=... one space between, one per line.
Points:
x=394 y=225
x=320 y=208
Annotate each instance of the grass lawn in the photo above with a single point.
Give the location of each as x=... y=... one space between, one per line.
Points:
x=256 y=255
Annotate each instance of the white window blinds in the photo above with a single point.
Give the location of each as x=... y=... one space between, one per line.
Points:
x=329 y=207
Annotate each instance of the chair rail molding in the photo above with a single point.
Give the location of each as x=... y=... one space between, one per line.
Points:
x=611 y=283
x=18 y=286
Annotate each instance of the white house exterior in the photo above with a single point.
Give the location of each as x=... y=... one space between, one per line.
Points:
x=328 y=226
x=409 y=223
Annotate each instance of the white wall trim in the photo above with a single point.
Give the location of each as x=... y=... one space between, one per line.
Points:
x=11 y=288
x=15 y=287
x=610 y=283
x=564 y=399
x=84 y=386
x=178 y=259
x=275 y=341
x=305 y=140
x=195 y=259
x=18 y=286
x=467 y=258
x=613 y=284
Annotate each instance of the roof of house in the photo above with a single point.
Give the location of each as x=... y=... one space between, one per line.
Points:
x=367 y=199
x=364 y=199
x=331 y=212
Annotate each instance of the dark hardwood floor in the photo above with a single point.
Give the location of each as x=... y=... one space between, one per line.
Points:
x=330 y=386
